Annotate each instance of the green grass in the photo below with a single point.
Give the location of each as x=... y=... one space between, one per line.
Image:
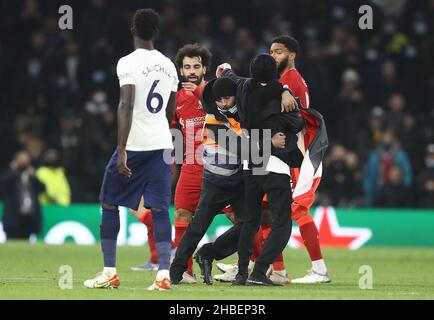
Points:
x=32 y=272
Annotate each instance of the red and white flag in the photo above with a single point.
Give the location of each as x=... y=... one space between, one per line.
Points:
x=313 y=143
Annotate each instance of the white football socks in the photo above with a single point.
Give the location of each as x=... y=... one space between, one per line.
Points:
x=109 y=272
x=319 y=266
x=161 y=274
x=251 y=265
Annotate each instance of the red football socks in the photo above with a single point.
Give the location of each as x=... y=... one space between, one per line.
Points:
x=310 y=235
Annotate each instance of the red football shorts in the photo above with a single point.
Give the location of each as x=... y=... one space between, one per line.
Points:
x=188 y=188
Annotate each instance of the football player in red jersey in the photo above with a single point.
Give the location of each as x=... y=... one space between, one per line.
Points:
x=193 y=62
x=284 y=50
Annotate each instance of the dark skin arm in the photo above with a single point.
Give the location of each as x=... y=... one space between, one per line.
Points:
x=171 y=107
x=125 y=117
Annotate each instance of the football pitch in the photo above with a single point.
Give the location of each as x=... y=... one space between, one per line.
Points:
x=34 y=271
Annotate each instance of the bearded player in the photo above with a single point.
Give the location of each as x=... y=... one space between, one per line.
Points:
x=193 y=62
x=284 y=50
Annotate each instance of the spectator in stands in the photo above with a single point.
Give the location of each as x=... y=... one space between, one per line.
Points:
x=350 y=107
x=350 y=84
x=46 y=71
x=425 y=180
x=227 y=30
x=19 y=189
x=396 y=106
x=52 y=175
x=377 y=170
x=369 y=137
x=389 y=83
x=410 y=135
x=339 y=177
x=31 y=141
x=69 y=143
x=394 y=193
x=30 y=87
x=93 y=130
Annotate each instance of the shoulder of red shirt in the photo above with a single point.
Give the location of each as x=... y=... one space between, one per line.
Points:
x=289 y=74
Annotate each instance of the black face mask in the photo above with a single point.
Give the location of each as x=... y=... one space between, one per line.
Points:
x=228 y=113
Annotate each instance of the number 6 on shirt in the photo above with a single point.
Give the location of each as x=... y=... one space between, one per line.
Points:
x=154 y=95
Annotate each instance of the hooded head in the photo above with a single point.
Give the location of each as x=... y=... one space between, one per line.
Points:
x=263 y=68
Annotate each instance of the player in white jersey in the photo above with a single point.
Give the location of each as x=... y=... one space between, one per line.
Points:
x=148 y=83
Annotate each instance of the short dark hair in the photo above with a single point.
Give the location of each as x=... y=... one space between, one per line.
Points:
x=289 y=42
x=145 y=24
x=193 y=50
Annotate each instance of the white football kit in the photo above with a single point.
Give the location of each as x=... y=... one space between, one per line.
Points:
x=155 y=77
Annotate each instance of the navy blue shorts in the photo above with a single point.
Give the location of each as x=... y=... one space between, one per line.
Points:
x=151 y=178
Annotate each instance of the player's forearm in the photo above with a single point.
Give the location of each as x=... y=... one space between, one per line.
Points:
x=293 y=121
x=229 y=73
x=125 y=114
x=125 y=117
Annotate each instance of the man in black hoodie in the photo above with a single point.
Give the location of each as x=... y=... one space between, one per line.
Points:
x=259 y=109
x=222 y=177
x=222 y=182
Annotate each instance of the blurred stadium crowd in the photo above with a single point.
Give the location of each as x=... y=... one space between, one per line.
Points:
x=375 y=88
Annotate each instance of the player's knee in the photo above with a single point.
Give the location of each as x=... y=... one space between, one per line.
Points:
x=108 y=206
x=183 y=215
x=303 y=219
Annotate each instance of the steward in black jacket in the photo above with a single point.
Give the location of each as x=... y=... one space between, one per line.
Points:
x=258 y=101
x=222 y=182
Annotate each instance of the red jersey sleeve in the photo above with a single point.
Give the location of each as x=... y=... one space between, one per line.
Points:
x=298 y=86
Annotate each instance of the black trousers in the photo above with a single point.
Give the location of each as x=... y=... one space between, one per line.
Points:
x=212 y=200
x=278 y=189
x=224 y=246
